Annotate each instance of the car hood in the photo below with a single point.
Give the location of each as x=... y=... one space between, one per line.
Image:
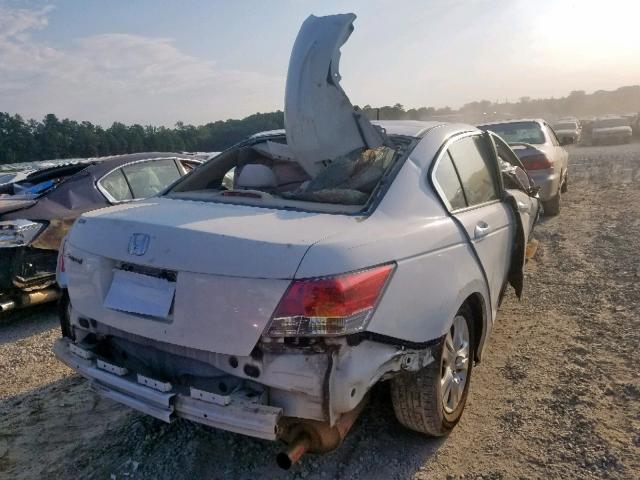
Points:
x=321 y=123
x=206 y=237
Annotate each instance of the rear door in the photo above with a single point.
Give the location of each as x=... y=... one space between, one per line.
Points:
x=468 y=177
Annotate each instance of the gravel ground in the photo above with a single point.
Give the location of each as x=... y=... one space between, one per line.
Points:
x=556 y=396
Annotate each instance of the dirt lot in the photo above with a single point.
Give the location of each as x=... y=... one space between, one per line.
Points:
x=557 y=395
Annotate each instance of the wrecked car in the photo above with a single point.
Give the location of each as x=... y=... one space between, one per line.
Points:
x=37 y=210
x=344 y=253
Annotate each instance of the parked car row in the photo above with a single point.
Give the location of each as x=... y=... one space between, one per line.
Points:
x=267 y=291
x=609 y=129
x=39 y=206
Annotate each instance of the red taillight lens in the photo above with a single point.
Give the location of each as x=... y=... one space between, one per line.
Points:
x=61 y=256
x=331 y=305
x=537 y=162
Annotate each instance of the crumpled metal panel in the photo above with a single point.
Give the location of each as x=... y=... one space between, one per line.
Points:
x=320 y=122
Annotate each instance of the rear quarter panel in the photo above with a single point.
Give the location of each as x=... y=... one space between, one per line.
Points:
x=436 y=270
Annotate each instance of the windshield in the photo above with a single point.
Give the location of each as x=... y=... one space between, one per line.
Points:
x=565 y=126
x=264 y=174
x=518 y=132
x=610 y=122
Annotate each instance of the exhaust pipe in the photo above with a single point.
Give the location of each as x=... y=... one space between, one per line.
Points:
x=38 y=297
x=298 y=448
x=315 y=436
x=7 y=305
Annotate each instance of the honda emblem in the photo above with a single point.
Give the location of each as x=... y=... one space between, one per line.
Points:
x=138 y=244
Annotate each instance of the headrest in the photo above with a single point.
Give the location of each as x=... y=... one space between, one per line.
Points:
x=255 y=176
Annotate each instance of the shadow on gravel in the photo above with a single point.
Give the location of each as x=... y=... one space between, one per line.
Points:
x=96 y=438
x=19 y=324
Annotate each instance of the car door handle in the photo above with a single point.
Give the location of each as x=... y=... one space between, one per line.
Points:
x=481 y=230
x=523 y=207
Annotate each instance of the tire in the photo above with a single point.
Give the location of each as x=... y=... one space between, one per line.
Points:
x=552 y=207
x=63 y=314
x=565 y=184
x=418 y=397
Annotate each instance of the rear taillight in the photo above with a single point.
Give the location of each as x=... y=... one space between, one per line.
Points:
x=329 y=306
x=537 y=162
x=61 y=255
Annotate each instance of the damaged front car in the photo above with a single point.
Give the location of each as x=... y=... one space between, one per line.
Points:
x=38 y=208
x=340 y=254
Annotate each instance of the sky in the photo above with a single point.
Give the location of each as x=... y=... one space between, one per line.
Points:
x=158 y=61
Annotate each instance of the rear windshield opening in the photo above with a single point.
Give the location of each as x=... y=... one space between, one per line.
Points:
x=264 y=174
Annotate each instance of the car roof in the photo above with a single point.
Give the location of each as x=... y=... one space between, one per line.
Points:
x=104 y=164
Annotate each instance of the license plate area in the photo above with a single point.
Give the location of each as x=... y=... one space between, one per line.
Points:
x=141 y=294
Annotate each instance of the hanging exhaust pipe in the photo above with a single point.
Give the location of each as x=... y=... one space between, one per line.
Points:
x=295 y=451
x=314 y=436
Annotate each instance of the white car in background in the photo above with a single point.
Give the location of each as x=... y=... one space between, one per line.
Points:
x=568 y=131
x=542 y=155
x=344 y=254
x=611 y=129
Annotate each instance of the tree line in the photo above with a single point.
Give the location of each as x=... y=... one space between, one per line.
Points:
x=29 y=140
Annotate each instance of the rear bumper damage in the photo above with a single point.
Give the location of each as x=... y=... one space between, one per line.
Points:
x=239 y=412
x=281 y=392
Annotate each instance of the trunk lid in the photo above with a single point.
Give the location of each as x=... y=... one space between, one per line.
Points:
x=231 y=266
x=206 y=237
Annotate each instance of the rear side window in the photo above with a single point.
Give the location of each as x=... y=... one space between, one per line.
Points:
x=474 y=165
x=448 y=181
x=149 y=178
x=116 y=185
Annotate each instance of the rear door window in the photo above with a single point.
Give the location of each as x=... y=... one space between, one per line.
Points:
x=149 y=178
x=449 y=183
x=116 y=186
x=475 y=166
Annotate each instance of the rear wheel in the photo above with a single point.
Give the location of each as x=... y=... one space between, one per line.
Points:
x=432 y=400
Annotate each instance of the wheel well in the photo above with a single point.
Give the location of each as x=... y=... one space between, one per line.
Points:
x=476 y=304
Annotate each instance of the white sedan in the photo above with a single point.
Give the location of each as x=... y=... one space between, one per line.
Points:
x=272 y=306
